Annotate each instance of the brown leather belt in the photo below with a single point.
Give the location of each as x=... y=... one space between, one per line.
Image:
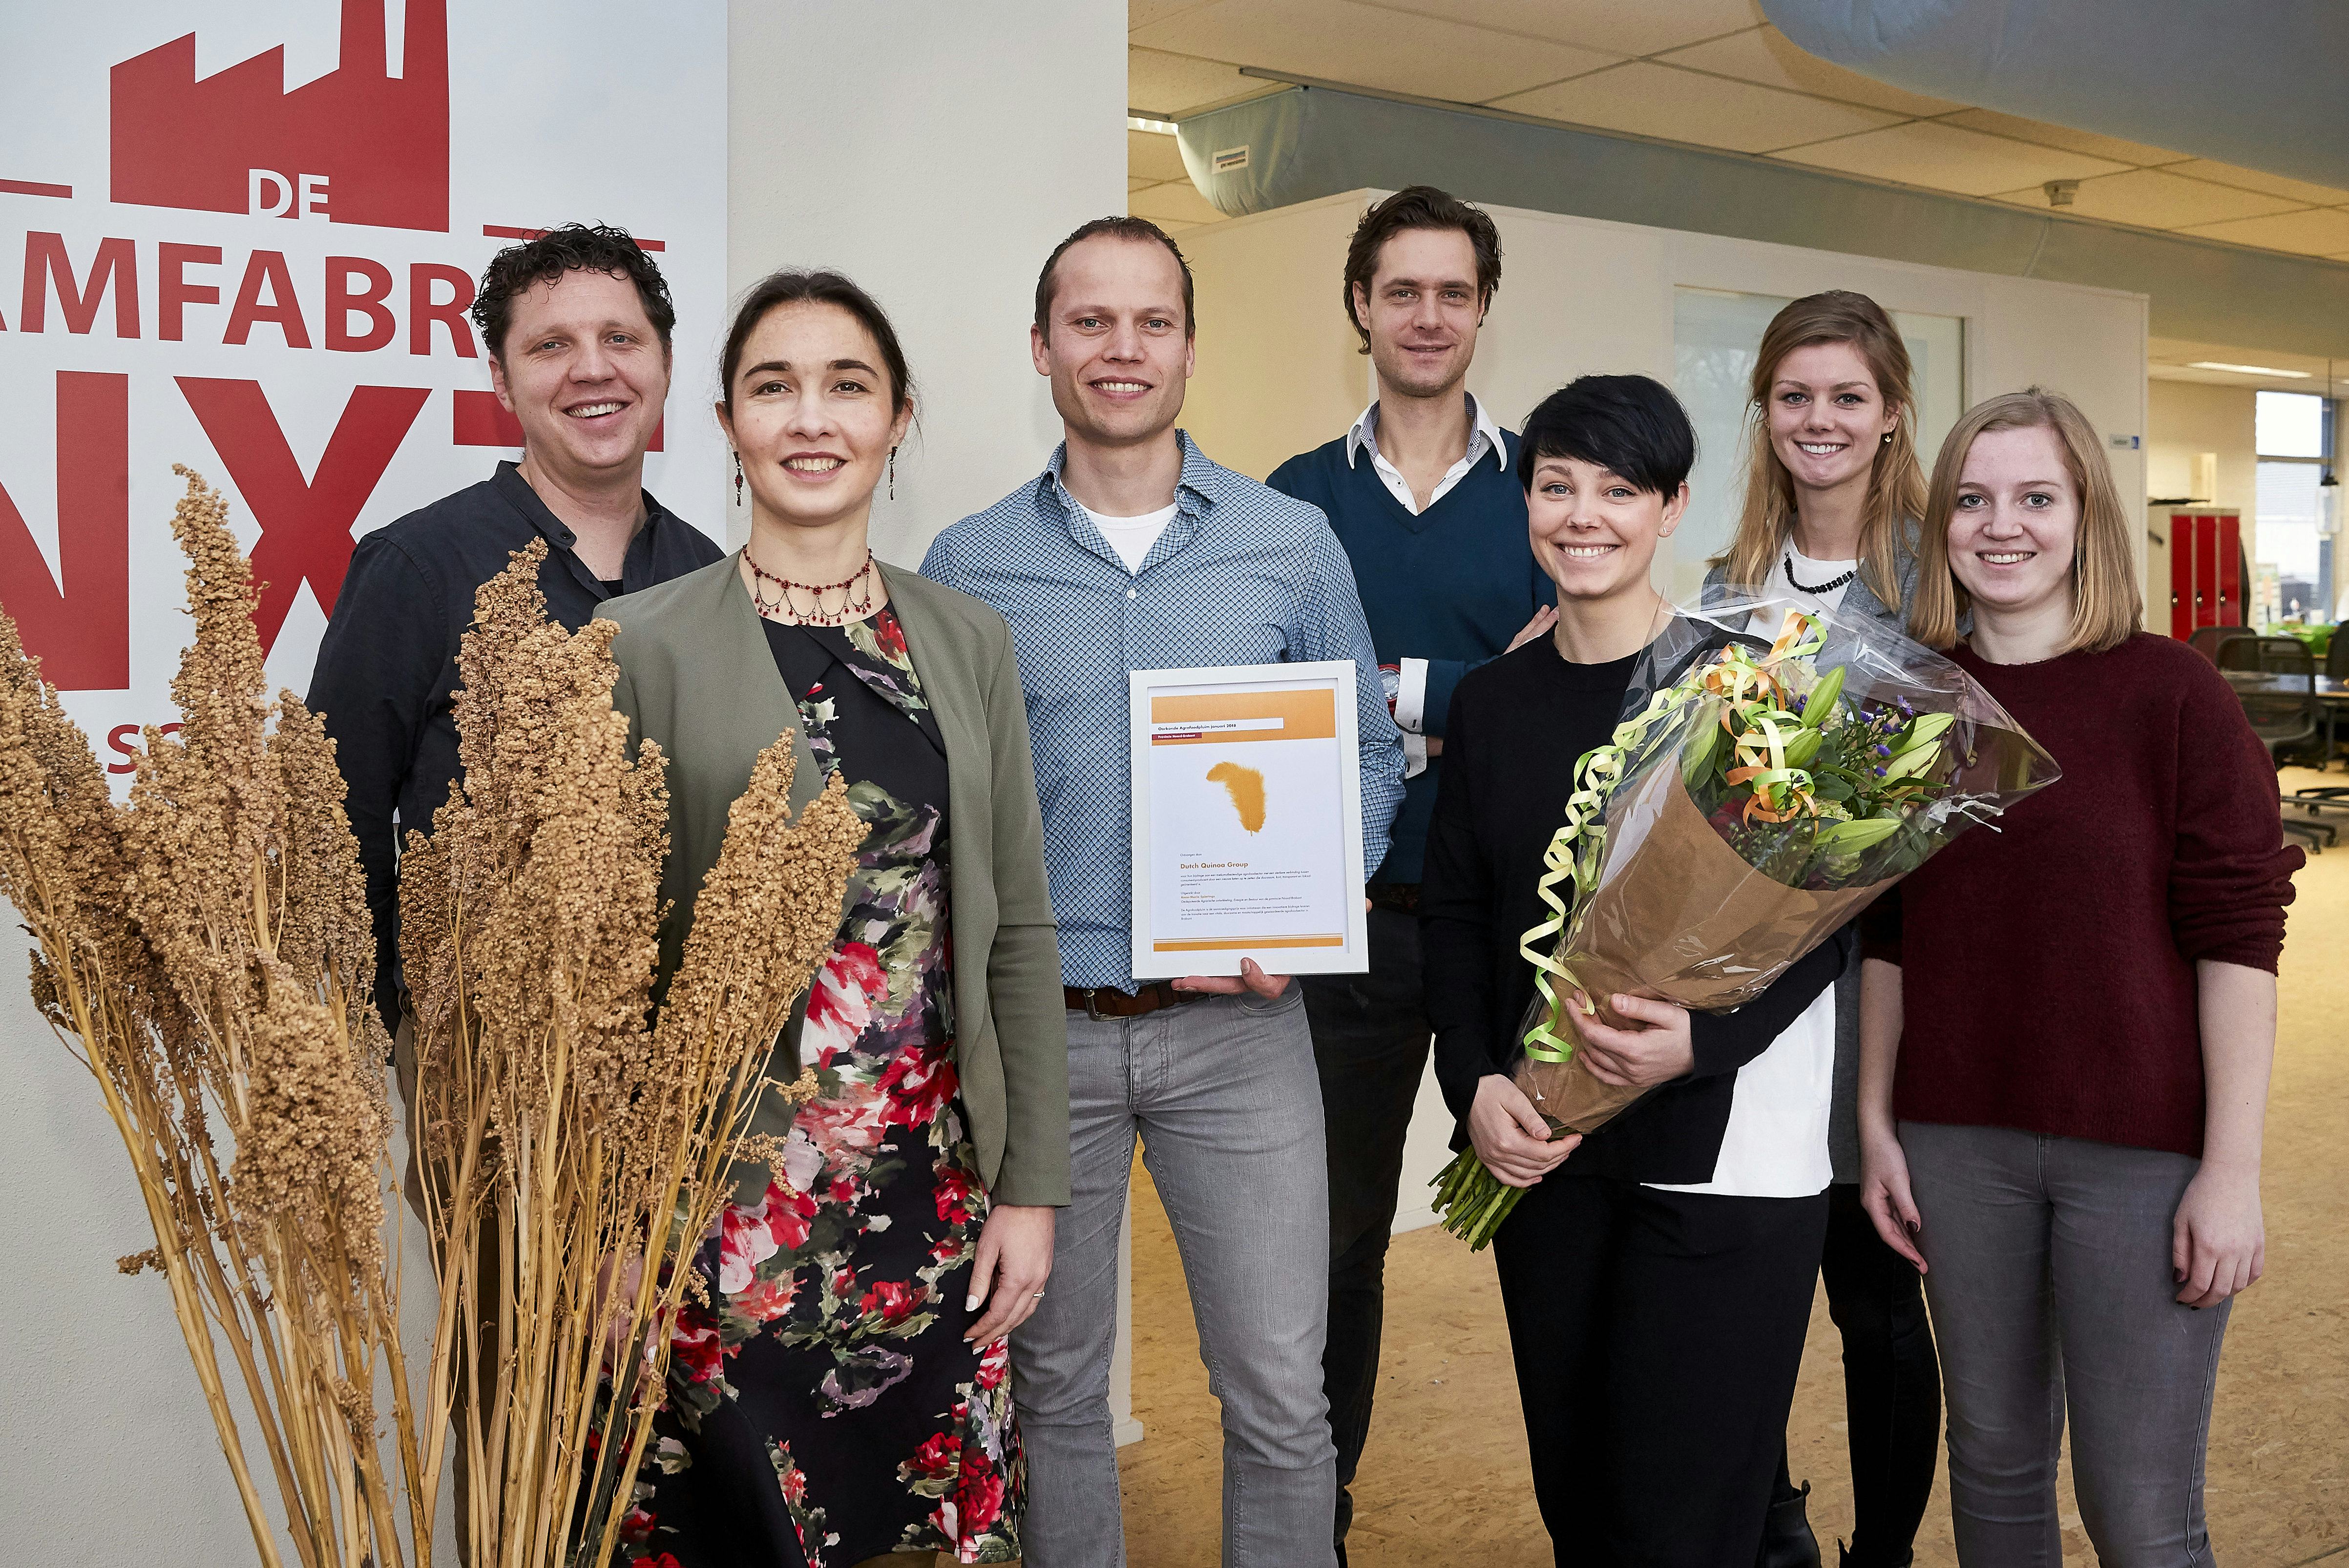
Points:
x=1109 y=1002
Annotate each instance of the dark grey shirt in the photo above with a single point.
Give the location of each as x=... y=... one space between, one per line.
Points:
x=387 y=671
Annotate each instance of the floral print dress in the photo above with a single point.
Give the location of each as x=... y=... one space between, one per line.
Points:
x=823 y=1405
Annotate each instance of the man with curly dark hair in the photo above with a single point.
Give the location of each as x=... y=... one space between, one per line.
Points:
x=576 y=322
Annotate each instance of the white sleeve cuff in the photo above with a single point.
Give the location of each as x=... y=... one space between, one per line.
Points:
x=1411 y=715
x=1411 y=697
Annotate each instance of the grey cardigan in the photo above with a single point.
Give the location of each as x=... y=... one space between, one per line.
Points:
x=1859 y=599
x=696 y=675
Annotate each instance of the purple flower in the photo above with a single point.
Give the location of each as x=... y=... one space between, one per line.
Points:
x=1877 y=771
x=1883 y=751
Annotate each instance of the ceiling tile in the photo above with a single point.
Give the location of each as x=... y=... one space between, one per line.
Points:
x=1605 y=25
x=1343 y=41
x=1765 y=56
x=2315 y=232
x=1141 y=13
x=2154 y=199
x=2259 y=180
x=1175 y=201
x=1177 y=84
x=1649 y=100
x=2062 y=136
x=1157 y=156
x=1944 y=158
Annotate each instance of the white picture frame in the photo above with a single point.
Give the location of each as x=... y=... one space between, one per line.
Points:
x=1247 y=821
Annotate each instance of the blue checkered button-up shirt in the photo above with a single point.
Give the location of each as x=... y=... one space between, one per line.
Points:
x=1244 y=575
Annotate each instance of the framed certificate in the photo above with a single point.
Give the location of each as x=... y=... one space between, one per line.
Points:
x=1247 y=821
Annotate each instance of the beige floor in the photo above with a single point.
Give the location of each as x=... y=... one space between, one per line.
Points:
x=1443 y=1478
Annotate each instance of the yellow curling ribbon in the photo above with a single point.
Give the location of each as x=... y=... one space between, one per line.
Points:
x=1751 y=693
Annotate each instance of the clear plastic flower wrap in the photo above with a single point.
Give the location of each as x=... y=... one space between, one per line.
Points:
x=1759 y=792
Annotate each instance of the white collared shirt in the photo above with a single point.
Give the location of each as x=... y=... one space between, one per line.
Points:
x=1484 y=436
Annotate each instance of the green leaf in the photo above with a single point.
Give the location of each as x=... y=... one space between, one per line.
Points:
x=1831 y=787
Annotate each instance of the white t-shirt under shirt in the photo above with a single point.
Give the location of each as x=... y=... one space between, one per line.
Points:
x=1131 y=537
x=1806 y=571
x=1775 y=1145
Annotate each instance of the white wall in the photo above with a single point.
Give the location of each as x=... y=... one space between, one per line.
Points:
x=936 y=152
x=1579 y=296
x=1279 y=371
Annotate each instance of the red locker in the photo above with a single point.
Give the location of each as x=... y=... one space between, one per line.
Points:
x=2206 y=571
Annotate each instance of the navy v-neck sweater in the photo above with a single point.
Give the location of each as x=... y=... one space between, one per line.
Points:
x=1450 y=585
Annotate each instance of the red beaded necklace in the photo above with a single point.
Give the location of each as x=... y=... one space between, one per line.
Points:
x=779 y=607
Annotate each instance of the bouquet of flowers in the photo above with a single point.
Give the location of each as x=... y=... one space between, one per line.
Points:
x=1756 y=797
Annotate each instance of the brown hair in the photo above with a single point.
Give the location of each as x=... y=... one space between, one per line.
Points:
x=1418 y=207
x=1141 y=229
x=796 y=285
x=2106 y=603
x=1896 y=488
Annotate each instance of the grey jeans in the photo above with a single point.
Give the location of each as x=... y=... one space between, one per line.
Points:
x=1225 y=1096
x=2051 y=1288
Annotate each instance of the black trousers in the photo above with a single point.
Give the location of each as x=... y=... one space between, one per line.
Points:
x=1371 y=1038
x=1657 y=1338
x=1891 y=1382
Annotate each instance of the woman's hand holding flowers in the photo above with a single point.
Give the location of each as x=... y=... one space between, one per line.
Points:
x=1657 y=1052
x=1510 y=1136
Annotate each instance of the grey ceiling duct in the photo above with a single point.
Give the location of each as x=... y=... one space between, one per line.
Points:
x=1315 y=141
x=2254 y=82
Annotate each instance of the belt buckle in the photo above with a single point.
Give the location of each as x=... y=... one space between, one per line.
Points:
x=1092 y=1007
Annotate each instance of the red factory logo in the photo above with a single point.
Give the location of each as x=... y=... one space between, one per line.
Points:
x=356 y=146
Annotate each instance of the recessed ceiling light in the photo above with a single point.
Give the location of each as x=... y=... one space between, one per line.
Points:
x=2252 y=369
x=1143 y=122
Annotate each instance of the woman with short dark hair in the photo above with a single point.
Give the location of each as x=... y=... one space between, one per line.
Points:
x=1657 y=1275
x=840 y=1391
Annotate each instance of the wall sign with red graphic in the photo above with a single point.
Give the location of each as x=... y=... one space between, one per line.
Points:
x=242 y=234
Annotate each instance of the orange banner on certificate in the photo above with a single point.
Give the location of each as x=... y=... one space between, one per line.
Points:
x=1210 y=718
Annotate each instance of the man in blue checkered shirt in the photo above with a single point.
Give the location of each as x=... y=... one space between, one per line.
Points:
x=1130 y=551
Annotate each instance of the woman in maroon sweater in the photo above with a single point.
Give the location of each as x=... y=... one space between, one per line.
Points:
x=2066 y=1025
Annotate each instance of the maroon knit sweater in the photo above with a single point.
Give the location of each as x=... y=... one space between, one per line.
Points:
x=2047 y=969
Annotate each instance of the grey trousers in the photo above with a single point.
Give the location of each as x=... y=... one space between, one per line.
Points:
x=1225 y=1099
x=2051 y=1287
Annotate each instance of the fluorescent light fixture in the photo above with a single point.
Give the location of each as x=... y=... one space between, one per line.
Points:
x=2253 y=371
x=1143 y=122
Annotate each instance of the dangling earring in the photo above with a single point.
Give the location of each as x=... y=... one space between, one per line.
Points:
x=893 y=473
x=1888 y=438
x=738 y=479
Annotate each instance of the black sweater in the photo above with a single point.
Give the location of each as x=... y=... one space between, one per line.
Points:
x=1517 y=728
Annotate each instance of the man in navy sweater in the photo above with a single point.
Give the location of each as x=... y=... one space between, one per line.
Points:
x=1421 y=494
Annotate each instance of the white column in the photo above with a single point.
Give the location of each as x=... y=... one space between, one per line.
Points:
x=935 y=152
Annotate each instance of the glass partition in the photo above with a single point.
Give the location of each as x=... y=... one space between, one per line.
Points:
x=1716 y=335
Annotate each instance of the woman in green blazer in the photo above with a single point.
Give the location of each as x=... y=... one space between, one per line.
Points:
x=844 y=1392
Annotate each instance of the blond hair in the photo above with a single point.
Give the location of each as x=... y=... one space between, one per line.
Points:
x=1895 y=485
x=2106 y=604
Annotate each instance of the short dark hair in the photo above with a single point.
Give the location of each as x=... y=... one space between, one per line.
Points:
x=1419 y=207
x=1630 y=426
x=1141 y=229
x=796 y=285
x=573 y=248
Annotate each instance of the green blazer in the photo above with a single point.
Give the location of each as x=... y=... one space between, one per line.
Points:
x=696 y=676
